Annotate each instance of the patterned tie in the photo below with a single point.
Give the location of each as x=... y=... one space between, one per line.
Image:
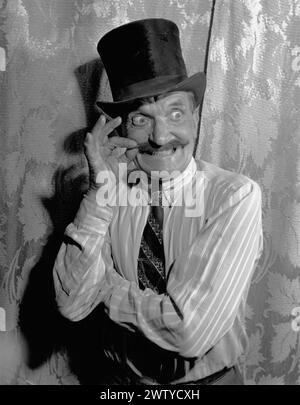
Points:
x=151 y=261
x=162 y=364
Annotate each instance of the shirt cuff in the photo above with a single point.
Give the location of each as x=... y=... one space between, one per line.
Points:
x=93 y=216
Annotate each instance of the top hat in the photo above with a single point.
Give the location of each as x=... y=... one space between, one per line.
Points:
x=143 y=59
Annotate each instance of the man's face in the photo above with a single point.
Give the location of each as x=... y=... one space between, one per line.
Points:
x=166 y=129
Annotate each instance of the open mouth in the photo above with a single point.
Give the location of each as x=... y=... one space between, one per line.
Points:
x=162 y=152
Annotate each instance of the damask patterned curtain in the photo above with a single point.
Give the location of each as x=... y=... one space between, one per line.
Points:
x=50 y=77
x=251 y=124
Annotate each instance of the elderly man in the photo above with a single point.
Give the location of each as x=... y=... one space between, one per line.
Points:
x=170 y=265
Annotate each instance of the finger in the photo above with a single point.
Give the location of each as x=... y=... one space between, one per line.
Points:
x=103 y=127
x=121 y=142
x=99 y=124
x=111 y=125
x=88 y=140
x=131 y=153
x=118 y=152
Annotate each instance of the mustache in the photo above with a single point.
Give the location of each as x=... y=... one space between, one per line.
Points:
x=147 y=148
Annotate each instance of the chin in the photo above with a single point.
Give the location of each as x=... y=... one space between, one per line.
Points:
x=166 y=162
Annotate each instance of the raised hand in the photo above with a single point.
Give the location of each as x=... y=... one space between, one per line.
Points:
x=103 y=152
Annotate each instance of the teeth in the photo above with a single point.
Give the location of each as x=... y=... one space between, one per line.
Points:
x=164 y=152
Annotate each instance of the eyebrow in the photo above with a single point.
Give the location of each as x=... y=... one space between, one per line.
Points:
x=176 y=103
x=173 y=103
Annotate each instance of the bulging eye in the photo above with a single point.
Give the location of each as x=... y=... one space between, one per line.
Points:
x=176 y=115
x=139 y=120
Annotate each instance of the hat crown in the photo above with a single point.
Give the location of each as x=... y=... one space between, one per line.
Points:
x=141 y=51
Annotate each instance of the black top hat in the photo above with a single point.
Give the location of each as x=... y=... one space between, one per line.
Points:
x=143 y=59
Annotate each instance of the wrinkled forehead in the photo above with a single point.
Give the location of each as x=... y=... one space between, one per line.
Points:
x=175 y=98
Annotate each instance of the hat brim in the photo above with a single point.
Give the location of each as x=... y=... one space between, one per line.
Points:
x=195 y=84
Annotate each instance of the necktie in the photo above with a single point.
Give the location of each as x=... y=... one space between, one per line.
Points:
x=151 y=261
x=163 y=365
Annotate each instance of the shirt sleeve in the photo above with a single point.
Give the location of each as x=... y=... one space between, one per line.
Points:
x=205 y=285
x=82 y=260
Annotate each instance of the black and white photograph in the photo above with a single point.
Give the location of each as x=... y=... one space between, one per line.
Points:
x=149 y=195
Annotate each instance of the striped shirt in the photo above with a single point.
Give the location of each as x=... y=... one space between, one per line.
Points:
x=197 y=328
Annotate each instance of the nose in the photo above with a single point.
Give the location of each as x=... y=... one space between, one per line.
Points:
x=160 y=134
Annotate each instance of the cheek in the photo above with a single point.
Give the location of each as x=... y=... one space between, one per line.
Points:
x=187 y=131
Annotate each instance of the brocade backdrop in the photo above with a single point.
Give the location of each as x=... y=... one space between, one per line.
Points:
x=50 y=77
